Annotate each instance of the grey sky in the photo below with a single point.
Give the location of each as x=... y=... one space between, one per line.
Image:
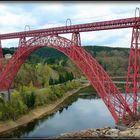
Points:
x=14 y=16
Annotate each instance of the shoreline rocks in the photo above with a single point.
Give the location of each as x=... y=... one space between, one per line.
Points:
x=133 y=131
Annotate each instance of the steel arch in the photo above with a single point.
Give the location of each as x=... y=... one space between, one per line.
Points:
x=99 y=79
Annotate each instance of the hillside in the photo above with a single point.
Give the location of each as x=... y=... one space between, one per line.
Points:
x=114 y=60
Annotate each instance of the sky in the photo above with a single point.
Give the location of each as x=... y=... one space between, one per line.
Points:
x=21 y=16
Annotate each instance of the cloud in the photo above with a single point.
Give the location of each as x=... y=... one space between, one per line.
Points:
x=10 y=43
x=114 y=38
x=14 y=17
x=50 y=6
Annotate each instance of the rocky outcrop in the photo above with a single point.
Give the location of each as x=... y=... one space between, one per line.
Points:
x=133 y=131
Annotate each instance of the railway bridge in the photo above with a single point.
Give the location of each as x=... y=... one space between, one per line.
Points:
x=122 y=107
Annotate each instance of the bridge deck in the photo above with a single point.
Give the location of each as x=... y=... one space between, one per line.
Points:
x=96 y=26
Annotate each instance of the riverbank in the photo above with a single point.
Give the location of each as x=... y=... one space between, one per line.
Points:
x=130 y=132
x=8 y=126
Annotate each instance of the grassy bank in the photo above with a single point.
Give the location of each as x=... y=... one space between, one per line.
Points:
x=36 y=112
x=27 y=98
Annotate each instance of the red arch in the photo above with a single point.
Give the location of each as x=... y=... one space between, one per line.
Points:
x=99 y=79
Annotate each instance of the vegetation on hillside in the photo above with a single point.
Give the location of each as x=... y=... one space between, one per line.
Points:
x=113 y=60
x=48 y=66
x=29 y=97
x=41 y=75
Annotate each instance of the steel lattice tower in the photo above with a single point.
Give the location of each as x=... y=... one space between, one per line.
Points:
x=132 y=95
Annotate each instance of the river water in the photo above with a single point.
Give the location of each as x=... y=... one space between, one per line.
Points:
x=80 y=111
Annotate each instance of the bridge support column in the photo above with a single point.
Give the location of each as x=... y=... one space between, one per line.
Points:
x=22 y=41
x=133 y=75
x=76 y=39
x=1 y=53
x=1 y=57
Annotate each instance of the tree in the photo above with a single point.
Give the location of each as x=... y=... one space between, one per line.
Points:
x=61 y=78
x=32 y=99
x=51 y=81
x=28 y=96
x=71 y=76
x=14 y=108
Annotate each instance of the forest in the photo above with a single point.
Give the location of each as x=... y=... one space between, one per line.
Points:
x=113 y=60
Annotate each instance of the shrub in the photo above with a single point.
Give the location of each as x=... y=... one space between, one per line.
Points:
x=28 y=96
x=41 y=98
x=57 y=90
x=14 y=108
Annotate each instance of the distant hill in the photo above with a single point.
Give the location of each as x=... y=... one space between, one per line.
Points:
x=50 y=53
x=105 y=48
x=113 y=60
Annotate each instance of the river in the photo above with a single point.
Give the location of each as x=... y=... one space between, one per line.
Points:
x=80 y=111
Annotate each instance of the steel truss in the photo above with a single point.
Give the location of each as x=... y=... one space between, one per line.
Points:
x=94 y=72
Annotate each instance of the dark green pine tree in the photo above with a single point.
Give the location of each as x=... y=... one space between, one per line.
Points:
x=32 y=99
x=67 y=76
x=61 y=79
x=51 y=81
x=71 y=76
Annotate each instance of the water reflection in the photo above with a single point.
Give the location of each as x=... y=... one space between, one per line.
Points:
x=80 y=111
x=68 y=102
